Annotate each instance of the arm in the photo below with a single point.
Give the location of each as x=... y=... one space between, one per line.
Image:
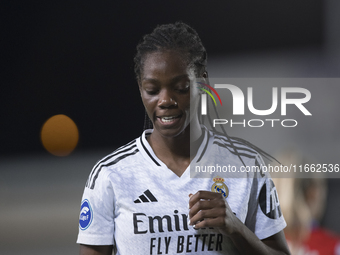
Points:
x=209 y=209
x=96 y=221
x=95 y=250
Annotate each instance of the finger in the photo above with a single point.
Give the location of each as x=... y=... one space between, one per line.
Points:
x=207 y=214
x=210 y=223
x=205 y=205
x=203 y=194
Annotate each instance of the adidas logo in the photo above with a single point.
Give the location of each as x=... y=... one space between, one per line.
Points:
x=146 y=197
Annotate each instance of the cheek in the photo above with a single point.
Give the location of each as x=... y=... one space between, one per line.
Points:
x=189 y=107
x=184 y=102
x=149 y=102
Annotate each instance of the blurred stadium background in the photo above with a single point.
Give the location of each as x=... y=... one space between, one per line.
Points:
x=76 y=58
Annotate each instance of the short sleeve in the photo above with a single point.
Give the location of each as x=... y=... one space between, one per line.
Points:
x=96 y=218
x=264 y=216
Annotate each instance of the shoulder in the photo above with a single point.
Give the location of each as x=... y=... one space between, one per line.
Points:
x=121 y=158
x=236 y=146
x=236 y=156
x=234 y=143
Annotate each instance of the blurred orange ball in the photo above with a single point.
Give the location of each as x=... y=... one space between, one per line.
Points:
x=59 y=135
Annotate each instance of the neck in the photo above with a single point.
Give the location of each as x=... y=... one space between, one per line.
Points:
x=175 y=151
x=179 y=146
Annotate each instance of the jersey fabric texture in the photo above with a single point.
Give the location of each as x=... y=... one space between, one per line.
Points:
x=134 y=202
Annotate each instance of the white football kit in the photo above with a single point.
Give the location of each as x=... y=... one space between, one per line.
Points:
x=134 y=202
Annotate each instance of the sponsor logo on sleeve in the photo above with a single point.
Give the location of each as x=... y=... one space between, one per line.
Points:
x=269 y=201
x=86 y=215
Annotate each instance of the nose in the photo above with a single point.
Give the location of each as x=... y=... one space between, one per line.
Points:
x=166 y=99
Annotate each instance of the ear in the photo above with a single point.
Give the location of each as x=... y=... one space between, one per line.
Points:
x=205 y=77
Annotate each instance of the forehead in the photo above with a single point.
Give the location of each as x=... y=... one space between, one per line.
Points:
x=165 y=64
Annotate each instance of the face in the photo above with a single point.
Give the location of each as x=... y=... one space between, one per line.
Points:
x=166 y=85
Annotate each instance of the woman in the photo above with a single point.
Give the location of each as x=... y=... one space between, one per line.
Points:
x=141 y=200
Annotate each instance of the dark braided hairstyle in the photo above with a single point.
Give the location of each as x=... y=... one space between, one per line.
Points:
x=179 y=37
x=184 y=39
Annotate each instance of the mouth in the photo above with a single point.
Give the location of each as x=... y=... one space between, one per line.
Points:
x=168 y=119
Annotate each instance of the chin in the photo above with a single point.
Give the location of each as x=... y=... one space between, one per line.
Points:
x=173 y=132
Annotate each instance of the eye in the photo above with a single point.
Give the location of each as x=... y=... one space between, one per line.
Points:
x=151 y=92
x=150 y=89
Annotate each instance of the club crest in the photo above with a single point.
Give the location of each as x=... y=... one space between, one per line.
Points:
x=220 y=187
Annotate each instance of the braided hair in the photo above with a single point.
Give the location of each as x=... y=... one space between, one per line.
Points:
x=179 y=37
x=184 y=39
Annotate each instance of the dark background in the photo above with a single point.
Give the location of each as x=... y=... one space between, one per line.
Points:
x=76 y=57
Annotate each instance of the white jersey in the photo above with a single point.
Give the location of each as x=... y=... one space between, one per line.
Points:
x=134 y=202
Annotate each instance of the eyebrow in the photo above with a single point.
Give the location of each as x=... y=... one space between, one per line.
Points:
x=173 y=80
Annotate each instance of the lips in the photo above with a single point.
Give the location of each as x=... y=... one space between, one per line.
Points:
x=168 y=119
